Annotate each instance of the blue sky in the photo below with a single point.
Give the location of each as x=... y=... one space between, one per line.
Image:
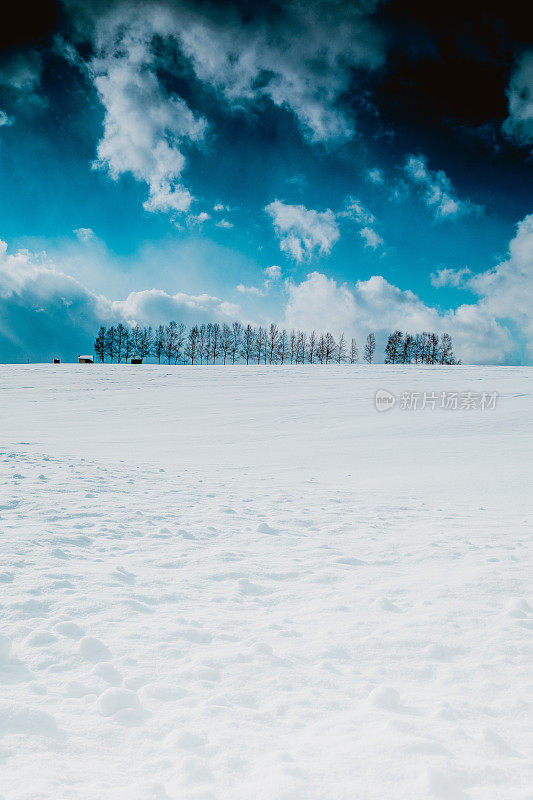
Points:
x=157 y=160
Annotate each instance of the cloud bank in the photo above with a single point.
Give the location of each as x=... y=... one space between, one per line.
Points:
x=44 y=312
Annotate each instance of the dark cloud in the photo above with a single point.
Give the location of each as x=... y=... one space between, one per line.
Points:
x=26 y=24
x=449 y=62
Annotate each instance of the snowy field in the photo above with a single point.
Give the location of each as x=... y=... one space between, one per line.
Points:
x=247 y=583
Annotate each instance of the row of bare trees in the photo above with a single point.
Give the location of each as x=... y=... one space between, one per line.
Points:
x=420 y=348
x=229 y=344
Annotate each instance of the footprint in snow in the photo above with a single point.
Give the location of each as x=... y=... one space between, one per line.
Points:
x=70 y=629
x=249 y=588
x=388 y=698
x=108 y=673
x=40 y=638
x=264 y=528
x=123 y=705
x=94 y=650
x=122 y=575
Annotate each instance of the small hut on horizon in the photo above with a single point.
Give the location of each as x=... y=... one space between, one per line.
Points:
x=85 y=359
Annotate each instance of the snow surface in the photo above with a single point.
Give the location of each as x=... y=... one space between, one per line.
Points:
x=247 y=583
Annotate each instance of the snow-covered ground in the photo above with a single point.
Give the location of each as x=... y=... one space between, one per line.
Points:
x=247 y=583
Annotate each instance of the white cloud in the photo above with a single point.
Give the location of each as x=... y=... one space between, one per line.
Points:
x=145 y=127
x=302 y=231
x=273 y=273
x=248 y=289
x=377 y=306
x=5 y=119
x=303 y=64
x=356 y=210
x=220 y=207
x=519 y=123
x=371 y=238
x=481 y=330
x=437 y=189
x=301 y=59
x=449 y=277
x=374 y=175
x=84 y=234
x=21 y=71
x=198 y=219
x=44 y=312
x=224 y=223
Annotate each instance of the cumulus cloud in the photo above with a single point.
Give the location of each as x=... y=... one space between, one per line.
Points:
x=44 y=312
x=378 y=306
x=84 y=234
x=519 y=123
x=371 y=238
x=273 y=273
x=5 y=119
x=198 y=219
x=481 y=330
x=21 y=71
x=300 y=58
x=449 y=277
x=303 y=232
x=374 y=175
x=355 y=210
x=437 y=190
x=248 y=289
x=145 y=127
x=224 y=223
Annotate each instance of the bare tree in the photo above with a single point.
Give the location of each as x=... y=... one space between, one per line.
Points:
x=282 y=346
x=215 y=342
x=341 y=349
x=446 y=355
x=312 y=347
x=111 y=342
x=202 y=333
x=236 y=331
x=394 y=348
x=159 y=344
x=225 y=341
x=301 y=341
x=272 y=341
x=354 y=352
x=180 y=341
x=258 y=344
x=208 y=341
x=192 y=346
x=321 y=348
x=128 y=345
x=146 y=343
x=408 y=348
x=433 y=348
x=248 y=343
x=370 y=348
x=329 y=342
x=100 y=345
x=171 y=335
x=121 y=336
x=135 y=339
x=292 y=344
